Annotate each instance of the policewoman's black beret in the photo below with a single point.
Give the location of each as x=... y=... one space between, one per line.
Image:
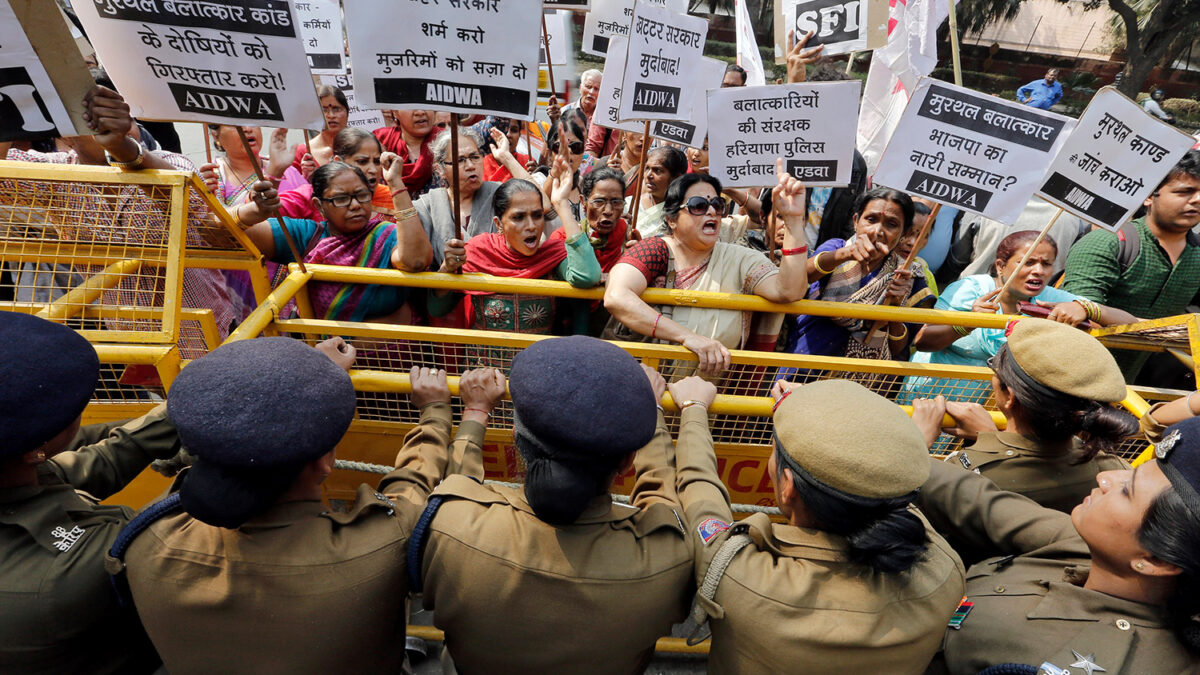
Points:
x=1178 y=454
x=47 y=375
x=582 y=397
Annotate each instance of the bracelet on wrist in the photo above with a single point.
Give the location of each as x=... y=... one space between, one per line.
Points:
x=135 y=163
x=486 y=413
x=691 y=402
x=903 y=333
x=962 y=330
x=654 y=330
x=816 y=261
x=794 y=251
x=410 y=212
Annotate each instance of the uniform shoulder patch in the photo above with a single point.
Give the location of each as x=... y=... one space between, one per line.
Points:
x=709 y=528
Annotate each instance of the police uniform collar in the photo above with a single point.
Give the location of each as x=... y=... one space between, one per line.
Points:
x=283 y=514
x=1066 y=601
x=1028 y=446
x=600 y=510
x=795 y=542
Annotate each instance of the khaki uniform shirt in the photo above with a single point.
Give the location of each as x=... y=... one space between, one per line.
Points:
x=791 y=601
x=1152 y=429
x=298 y=588
x=1033 y=608
x=517 y=595
x=1043 y=473
x=58 y=613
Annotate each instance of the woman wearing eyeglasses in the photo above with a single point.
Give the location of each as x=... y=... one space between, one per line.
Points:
x=693 y=257
x=474 y=194
x=343 y=194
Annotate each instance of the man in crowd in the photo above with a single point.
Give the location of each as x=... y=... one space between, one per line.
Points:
x=1042 y=93
x=589 y=89
x=735 y=76
x=1151 y=266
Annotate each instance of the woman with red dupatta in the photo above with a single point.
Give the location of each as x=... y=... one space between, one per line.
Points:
x=518 y=250
x=411 y=139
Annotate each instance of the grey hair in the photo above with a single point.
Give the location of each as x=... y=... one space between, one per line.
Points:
x=441 y=144
x=590 y=73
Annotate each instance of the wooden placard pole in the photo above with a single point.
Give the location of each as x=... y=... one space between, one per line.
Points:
x=1029 y=251
x=454 y=199
x=259 y=172
x=954 y=44
x=637 y=191
x=908 y=259
x=308 y=144
x=549 y=61
x=207 y=144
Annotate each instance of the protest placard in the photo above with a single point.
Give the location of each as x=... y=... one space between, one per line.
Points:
x=1113 y=160
x=557 y=38
x=663 y=46
x=611 y=18
x=970 y=150
x=692 y=130
x=464 y=56
x=221 y=61
x=810 y=125
x=321 y=28
x=35 y=80
x=842 y=26
x=581 y=5
x=608 y=101
x=363 y=118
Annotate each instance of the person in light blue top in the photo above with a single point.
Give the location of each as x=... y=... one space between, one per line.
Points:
x=956 y=345
x=1042 y=93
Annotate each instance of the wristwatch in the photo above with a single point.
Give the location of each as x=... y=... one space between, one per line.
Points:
x=135 y=163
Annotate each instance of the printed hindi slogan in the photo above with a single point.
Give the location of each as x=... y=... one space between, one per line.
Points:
x=465 y=56
x=663 y=48
x=30 y=106
x=811 y=126
x=362 y=118
x=1113 y=161
x=224 y=61
x=321 y=28
x=971 y=151
x=611 y=18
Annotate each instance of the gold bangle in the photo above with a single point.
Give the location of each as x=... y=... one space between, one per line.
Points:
x=691 y=402
x=816 y=260
x=131 y=165
x=899 y=337
x=963 y=330
x=404 y=215
x=237 y=217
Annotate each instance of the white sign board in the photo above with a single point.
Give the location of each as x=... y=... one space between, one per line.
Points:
x=1115 y=158
x=975 y=152
x=219 y=61
x=557 y=38
x=321 y=28
x=842 y=26
x=693 y=130
x=363 y=118
x=811 y=126
x=662 y=48
x=611 y=18
x=608 y=101
x=29 y=104
x=464 y=56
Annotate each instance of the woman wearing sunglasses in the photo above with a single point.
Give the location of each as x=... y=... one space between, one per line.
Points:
x=342 y=193
x=1056 y=386
x=693 y=257
x=566 y=139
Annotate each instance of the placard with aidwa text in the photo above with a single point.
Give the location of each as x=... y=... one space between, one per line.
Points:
x=219 y=61
x=464 y=56
x=1113 y=160
x=971 y=151
x=663 y=47
x=811 y=126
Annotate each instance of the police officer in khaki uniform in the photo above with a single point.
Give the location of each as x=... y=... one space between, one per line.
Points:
x=248 y=571
x=856 y=581
x=554 y=577
x=1053 y=383
x=57 y=610
x=1112 y=588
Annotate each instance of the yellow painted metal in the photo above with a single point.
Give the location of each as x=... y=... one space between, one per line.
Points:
x=1194 y=341
x=1137 y=405
x=83 y=253
x=84 y=173
x=268 y=308
x=665 y=645
x=173 y=293
x=73 y=301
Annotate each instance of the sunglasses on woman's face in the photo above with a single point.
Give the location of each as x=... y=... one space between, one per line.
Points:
x=576 y=147
x=698 y=206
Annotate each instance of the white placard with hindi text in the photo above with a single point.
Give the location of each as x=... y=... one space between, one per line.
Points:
x=557 y=37
x=321 y=29
x=971 y=151
x=464 y=56
x=29 y=104
x=610 y=18
x=219 y=61
x=1113 y=160
x=693 y=130
x=663 y=50
x=608 y=101
x=362 y=118
x=842 y=26
x=810 y=125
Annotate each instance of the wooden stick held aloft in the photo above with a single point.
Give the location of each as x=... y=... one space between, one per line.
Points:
x=641 y=169
x=1029 y=252
x=454 y=199
x=908 y=259
x=259 y=172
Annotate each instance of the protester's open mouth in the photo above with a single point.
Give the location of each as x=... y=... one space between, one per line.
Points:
x=606 y=224
x=709 y=227
x=531 y=241
x=1035 y=285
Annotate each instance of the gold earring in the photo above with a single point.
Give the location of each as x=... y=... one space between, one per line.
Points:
x=41 y=456
x=1140 y=565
